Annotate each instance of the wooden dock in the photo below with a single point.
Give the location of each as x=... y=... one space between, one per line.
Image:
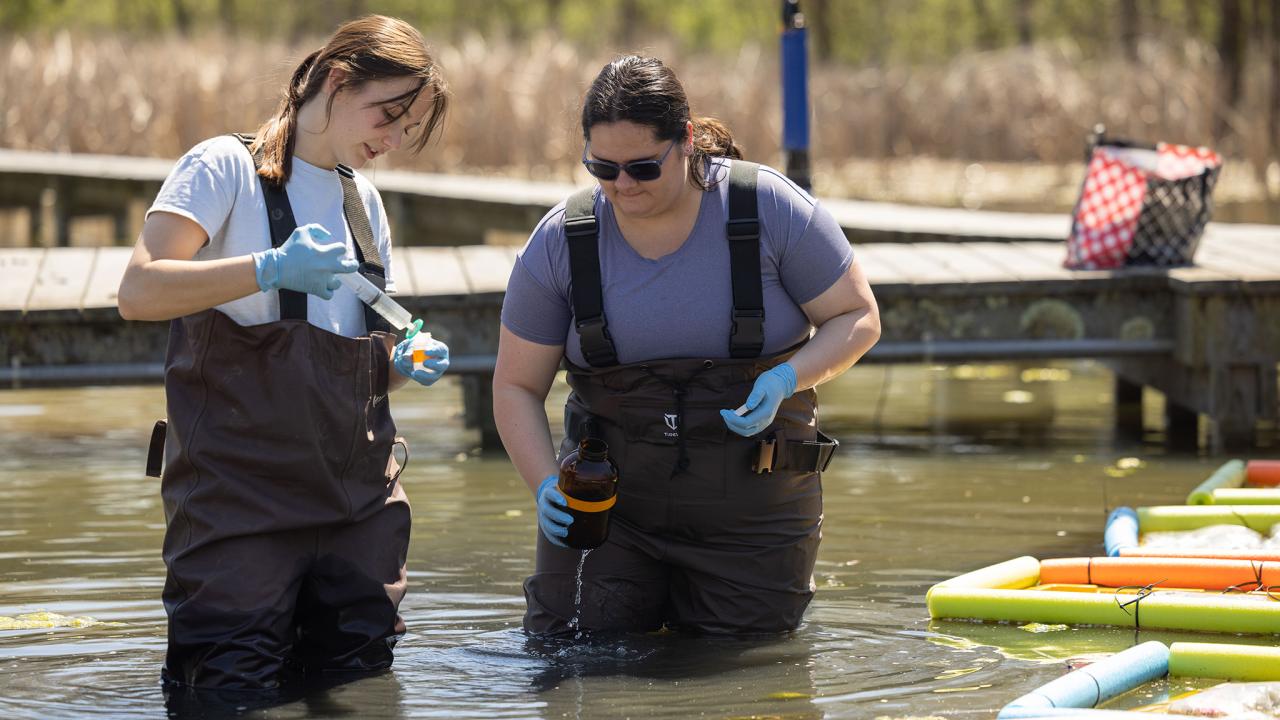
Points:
x=953 y=285
x=1206 y=336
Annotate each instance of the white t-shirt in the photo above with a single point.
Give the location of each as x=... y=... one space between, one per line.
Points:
x=215 y=185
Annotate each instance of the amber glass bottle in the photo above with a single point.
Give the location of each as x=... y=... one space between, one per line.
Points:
x=589 y=481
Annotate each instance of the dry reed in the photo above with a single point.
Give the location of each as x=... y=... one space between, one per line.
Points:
x=515 y=107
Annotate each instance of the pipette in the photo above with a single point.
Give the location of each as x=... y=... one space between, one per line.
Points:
x=389 y=309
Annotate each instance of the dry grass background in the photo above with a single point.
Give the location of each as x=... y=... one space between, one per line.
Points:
x=1004 y=127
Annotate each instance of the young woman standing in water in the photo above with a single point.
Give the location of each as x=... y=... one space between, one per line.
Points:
x=287 y=528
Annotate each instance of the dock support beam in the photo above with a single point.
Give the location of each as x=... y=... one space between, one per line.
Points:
x=1128 y=413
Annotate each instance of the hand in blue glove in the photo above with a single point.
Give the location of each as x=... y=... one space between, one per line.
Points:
x=306 y=262
x=432 y=368
x=552 y=519
x=771 y=388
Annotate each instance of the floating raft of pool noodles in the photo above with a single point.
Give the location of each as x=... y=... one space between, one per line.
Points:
x=1227 y=486
x=1090 y=686
x=1124 y=524
x=1009 y=591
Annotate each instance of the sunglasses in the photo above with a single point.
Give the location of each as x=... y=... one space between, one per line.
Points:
x=639 y=170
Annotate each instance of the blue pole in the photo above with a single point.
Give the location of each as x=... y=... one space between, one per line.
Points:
x=795 y=93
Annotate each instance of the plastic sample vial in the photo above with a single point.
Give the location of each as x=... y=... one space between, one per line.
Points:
x=418 y=344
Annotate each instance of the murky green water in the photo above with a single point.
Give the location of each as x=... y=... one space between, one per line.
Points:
x=916 y=496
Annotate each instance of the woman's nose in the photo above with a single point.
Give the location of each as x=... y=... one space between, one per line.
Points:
x=625 y=181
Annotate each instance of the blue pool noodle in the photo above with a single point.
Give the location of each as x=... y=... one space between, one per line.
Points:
x=1084 y=713
x=1093 y=684
x=1122 y=531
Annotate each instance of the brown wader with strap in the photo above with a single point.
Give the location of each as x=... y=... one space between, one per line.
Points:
x=287 y=528
x=712 y=532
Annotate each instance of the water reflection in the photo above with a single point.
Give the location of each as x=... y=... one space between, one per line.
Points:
x=912 y=499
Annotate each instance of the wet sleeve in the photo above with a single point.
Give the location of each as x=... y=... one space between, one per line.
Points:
x=536 y=306
x=812 y=261
x=197 y=190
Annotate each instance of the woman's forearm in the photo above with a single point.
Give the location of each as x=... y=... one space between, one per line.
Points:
x=521 y=418
x=838 y=344
x=164 y=289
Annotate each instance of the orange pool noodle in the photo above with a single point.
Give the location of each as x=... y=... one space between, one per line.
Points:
x=1272 y=556
x=1262 y=473
x=1201 y=573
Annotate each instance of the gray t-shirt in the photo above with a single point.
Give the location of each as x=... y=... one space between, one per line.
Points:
x=215 y=186
x=680 y=305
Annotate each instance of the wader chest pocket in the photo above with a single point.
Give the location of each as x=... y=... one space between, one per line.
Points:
x=658 y=438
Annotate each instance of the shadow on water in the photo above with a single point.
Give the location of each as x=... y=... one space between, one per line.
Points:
x=942 y=470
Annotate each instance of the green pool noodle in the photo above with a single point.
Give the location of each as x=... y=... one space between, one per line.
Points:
x=1246 y=496
x=1160 y=610
x=1251 y=663
x=1230 y=475
x=1160 y=518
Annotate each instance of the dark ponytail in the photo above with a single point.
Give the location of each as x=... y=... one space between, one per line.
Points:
x=374 y=47
x=643 y=91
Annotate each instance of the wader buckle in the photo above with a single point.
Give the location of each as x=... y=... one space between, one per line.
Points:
x=597 y=345
x=749 y=326
x=765 y=454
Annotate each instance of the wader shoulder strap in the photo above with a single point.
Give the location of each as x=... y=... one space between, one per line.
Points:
x=366 y=250
x=582 y=233
x=746 y=338
x=293 y=304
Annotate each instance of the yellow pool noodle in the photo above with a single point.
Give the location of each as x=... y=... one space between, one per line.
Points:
x=1020 y=572
x=1162 y=610
x=1160 y=518
x=1245 y=496
x=1254 y=663
x=1230 y=475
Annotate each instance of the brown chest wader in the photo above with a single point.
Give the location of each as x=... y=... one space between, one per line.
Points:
x=712 y=532
x=287 y=528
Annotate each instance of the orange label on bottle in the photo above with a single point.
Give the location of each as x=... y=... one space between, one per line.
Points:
x=588 y=505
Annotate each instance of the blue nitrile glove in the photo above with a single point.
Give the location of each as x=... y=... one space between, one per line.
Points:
x=552 y=519
x=432 y=368
x=306 y=262
x=771 y=388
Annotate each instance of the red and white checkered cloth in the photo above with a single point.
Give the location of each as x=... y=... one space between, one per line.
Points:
x=1112 y=199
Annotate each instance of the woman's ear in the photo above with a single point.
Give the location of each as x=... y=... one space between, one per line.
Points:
x=335 y=80
x=688 y=135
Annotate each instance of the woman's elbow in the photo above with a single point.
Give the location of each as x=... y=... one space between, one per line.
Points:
x=132 y=300
x=126 y=303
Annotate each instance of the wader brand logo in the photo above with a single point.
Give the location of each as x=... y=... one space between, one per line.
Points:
x=671 y=419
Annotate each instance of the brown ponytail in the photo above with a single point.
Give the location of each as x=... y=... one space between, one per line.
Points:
x=374 y=47
x=711 y=138
x=642 y=90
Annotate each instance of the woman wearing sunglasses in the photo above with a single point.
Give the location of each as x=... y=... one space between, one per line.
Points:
x=682 y=294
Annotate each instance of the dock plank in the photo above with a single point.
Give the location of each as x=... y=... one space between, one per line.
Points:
x=1253 y=252
x=1026 y=266
x=104 y=279
x=878 y=269
x=437 y=271
x=914 y=266
x=488 y=267
x=62 y=279
x=18 y=268
x=965 y=263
